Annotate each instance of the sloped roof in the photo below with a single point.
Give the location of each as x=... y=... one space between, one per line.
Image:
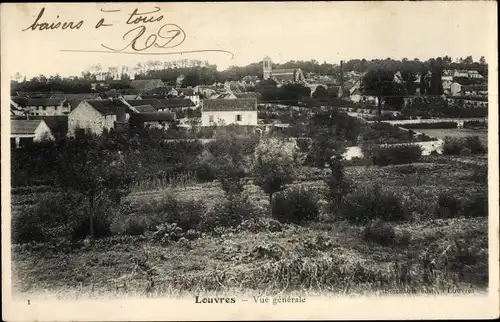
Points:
x=43 y=102
x=23 y=126
x=283 y=71
x=283 y=77
x=152 y=117
x=186 y=91
x=145 y=109
x=247 y=95
x=155 y=103
x=177 y=102
x=81 y=97
x=236 y=104
x=58 y=124
x=107 y=106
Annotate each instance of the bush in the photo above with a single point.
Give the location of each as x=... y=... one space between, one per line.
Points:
x=26 y=228
x=205 y=173
x=447 y=206
x=477 y=207
x=135 y=225
x=102 y=228
x=187 y=214
x=235 y=210
x=295 y=206
x=399 y=154
x=379 y=232
x=370 y=204
x=465 y=152
x=454 y=146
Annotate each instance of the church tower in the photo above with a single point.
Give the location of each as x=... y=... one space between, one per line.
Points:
x=267 y=68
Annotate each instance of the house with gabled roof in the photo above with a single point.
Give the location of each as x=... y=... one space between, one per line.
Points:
x=176 y=103
x=159 y=120
x=24 y=132
x=95 y=116
x=154 y=102
x=47 y=106
x=241 y=111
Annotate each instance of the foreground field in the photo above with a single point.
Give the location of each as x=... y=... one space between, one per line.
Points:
x=327 y=256
x=312 y=260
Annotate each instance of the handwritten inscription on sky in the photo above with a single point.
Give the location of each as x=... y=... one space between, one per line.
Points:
x=137 y=40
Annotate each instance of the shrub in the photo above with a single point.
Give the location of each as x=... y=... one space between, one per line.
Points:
x=370 y=203
x=135 y=225
x=379 y=232
x=187 y=214
x=234 y=211
x=454 y=146
x=102 y=228
x=447 y=206
x=475 y=145
x=26 y=227
x=477 y=206
x=295 y=206
x=465 y=152
x=205 y=173
x=399 y=154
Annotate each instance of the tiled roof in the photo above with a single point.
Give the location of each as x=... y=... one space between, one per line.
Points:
x=81 y=97
x=43 y=102
x=238 y=104
x=149 y=101
x=177 y=102
x=107 y=107
x=283 y=71
x=145 y=109
x=284 y=77
x=152 y=117
x=23 y=126
x=58 y=124
x=247 y=95
x=186 y=91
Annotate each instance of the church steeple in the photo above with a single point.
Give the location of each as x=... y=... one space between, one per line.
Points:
x=267 y=67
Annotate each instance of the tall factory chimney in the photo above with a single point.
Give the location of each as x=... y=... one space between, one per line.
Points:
x=341 y=89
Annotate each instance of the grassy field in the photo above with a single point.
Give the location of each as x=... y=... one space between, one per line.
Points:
x=328 y=256
x=442 y=133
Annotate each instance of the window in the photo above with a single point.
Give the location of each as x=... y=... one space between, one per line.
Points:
x=238 y=118
x=211 y=118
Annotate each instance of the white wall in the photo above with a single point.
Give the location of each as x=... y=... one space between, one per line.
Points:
x=229 y=117
x=42 y=132
x=85 y=116
x=49 y=110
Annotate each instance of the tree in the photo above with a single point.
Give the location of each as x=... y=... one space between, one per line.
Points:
x=275 y=165
x=482 y=60
x=96 y=172
x=378 y=82
x=232 y=149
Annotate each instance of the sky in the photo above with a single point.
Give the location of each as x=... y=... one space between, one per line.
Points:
x=283 y=31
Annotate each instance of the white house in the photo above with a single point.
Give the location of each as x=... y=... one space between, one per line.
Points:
x=25 y=131
x=44 y=106
x=475 y=74
x=241 y=111
x=95 y=116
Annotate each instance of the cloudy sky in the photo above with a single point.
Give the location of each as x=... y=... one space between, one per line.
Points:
x=283 y=31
